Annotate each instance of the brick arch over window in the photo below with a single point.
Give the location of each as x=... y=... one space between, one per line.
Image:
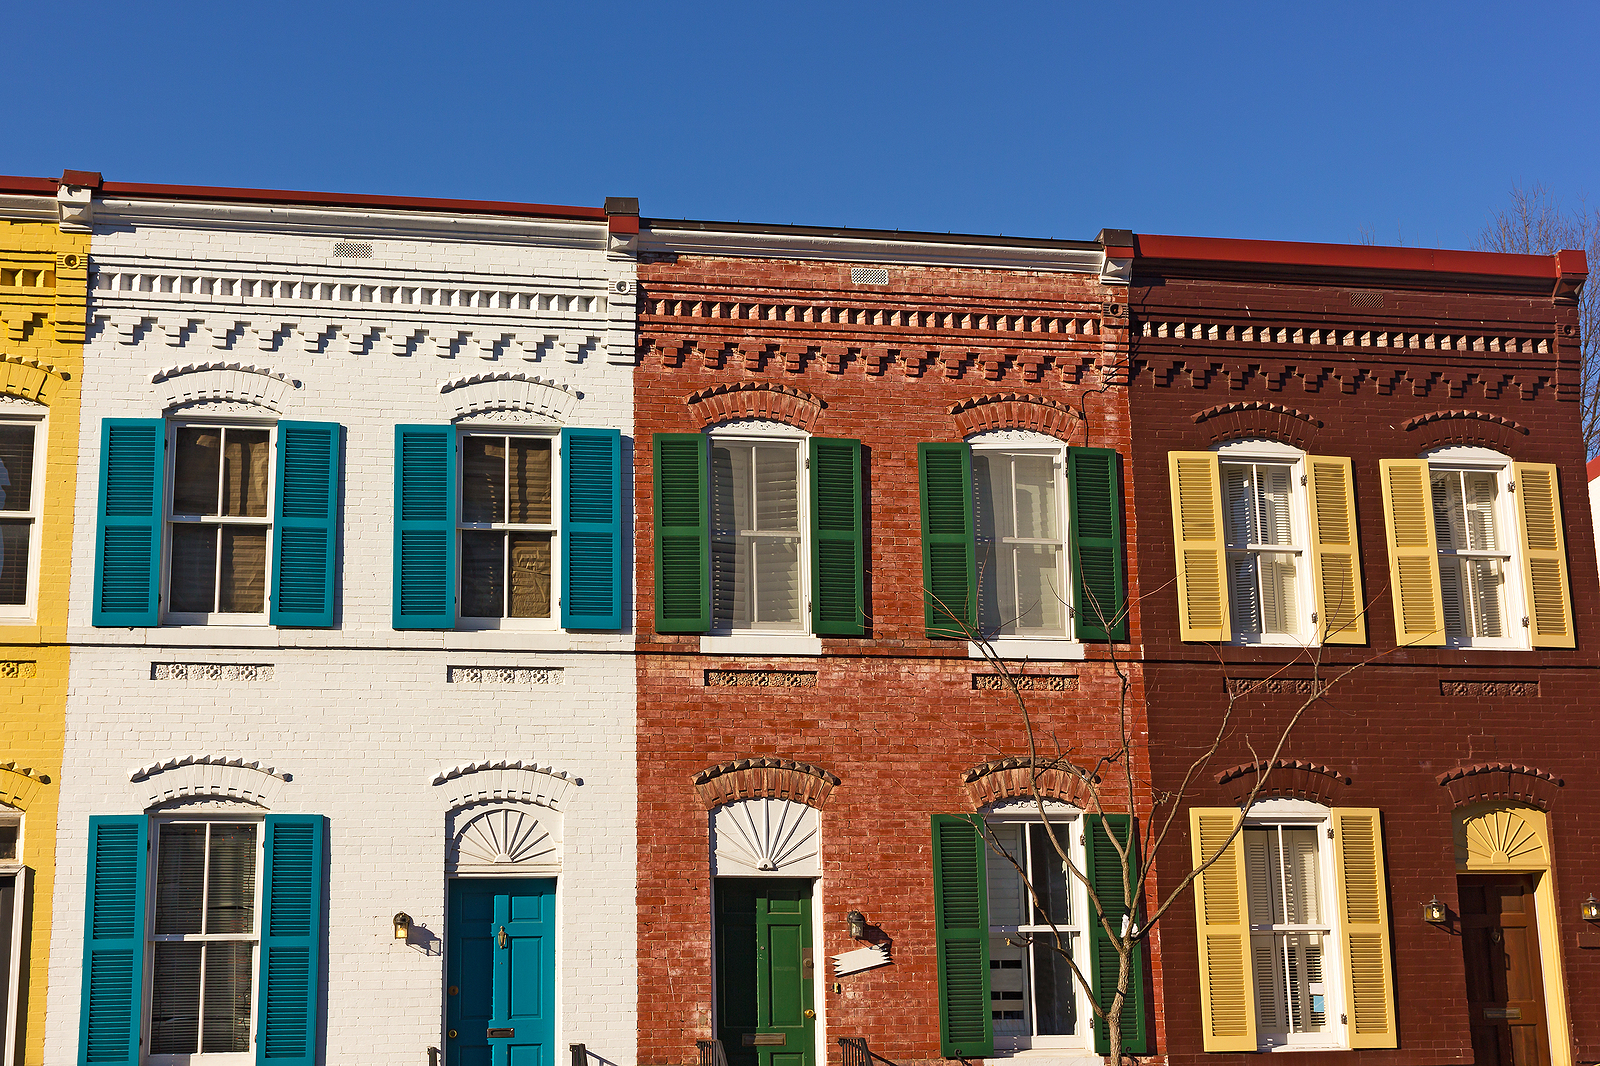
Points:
x=213 y=776
x=516 y=780
x=1440 y=428
x=1501 y=782
x=757 y=399
x=29 y=378
x=185 y=386
x=766 y=777
x=1010 y=778
x=1013 y=410
x=1250 y=419
x=1288 y=778
x=19 y=785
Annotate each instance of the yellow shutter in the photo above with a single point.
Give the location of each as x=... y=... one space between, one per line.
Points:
x=1335 y=551
x=1197 y=534
x=1413 y=552
x=1227 y=993
x=1544 y=555
x=1364 y=910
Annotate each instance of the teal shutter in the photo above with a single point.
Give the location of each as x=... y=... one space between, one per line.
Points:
x=291 y=940
x=306 y=524
x=591 y=533
x=1095 y=553
x=112 y=1010
x=949 y=552
x=961 y=929
x=127 y=559
x=424 y=527
x=838 y=605
x=1104 y=872
x=683 y=533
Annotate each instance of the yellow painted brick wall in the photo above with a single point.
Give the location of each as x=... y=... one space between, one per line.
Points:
x=43 y=290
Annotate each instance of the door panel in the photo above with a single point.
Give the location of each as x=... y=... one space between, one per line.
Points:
x=500 y=966
x=764 y=972
x=1505 y=981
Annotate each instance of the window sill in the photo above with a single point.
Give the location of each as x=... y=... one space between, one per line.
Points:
x=776 y=644
x=1009 y=648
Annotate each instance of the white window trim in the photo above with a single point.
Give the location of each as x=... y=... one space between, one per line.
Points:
x=1068 y=821
x=1065 y=645
x=558 y=510
x=798 y=641
x=11 y=988
x=169 y=486
x=28 y=610
x=1465 y=457
x=1261 y=450
x=1269 y=813
x=215 y=1058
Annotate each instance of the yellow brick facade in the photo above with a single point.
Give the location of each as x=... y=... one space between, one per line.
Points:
x=43 y=283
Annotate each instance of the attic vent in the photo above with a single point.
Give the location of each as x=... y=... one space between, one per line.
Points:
x=869 y=276
x=1365 y=298
x=352 y=250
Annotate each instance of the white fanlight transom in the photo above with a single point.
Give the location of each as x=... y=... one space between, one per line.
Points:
x=765 y=837
x=520 y=836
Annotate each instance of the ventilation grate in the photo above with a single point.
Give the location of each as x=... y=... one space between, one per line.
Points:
x=352 y=250
x=1366 y=298
x=869 y=276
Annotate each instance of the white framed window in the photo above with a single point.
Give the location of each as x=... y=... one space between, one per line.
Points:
x=760 y=559
x=1475 y=523
x=1020 y=522
x=1266 y=532
x=204 y=933
x=22 y=446
x=13 y=891
x=1035 y=1000
x=509 y=528
x=219 y=522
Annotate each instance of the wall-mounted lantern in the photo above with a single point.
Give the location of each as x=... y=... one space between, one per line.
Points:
x=858 y=925
x=402 y=925
x=1434 y=912
x=1591 y=909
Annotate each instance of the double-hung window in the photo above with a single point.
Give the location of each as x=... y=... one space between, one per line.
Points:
x=21 y=482
x=12 y=893
x=1264 y=509
x=508 y=528
x=1286 y=870
x=758 y=557
x=1021 y=541
x=220 y=523
x=1475 y=557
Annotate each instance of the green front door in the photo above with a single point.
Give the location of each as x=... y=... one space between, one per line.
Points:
x=765 y=1012
x=500 y=968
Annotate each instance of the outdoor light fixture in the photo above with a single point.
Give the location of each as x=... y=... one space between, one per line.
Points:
x=1434 y=911
x=1591 y=909
x=402 y=925
x=858 y=925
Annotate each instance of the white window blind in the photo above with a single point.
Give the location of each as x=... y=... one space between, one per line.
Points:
x=220 y=520
x=1264 y=558
x=507 y=530
x=1021 y=573
x=1284 y=875
x=1473 y=558
x=756 y=538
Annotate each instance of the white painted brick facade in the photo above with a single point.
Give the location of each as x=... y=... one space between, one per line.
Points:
x=362 y=719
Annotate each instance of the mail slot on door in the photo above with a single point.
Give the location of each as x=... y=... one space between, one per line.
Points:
x=1507 y=1013
x=765 y=1039
x=501 y=1032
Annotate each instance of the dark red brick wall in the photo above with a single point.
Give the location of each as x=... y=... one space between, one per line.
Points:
x=1387 y=725
x=894 y=715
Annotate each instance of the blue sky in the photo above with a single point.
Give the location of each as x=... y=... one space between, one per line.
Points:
x=1290 y=121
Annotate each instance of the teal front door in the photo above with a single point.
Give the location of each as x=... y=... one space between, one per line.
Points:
x=500 y=1003
x=765 y=1014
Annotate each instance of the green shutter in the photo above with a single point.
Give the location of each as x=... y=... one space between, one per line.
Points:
x=682 y=533
x=949 y=552
x=127 y=561
x=591 y=532
x=838 y=606
x=291 y=940
x=1104 y=871
x=112 y=1010
x=1094 y=487
x=306 y=525
x=424 y=527
x=961 y=928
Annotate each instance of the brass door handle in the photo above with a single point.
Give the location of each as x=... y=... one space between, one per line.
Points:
x=451 y=1034
x=810 y=1013
x=501 y=938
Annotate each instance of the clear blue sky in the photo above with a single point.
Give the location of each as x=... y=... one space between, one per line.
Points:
x=1290 y=120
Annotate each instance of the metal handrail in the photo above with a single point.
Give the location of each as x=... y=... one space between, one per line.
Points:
x=856 y=1052
x=580 y=1054
x=711 y=1053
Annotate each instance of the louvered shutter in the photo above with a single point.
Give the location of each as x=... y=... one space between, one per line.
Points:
x=128 y=541
x=1544 y=555
x=591 y=532
x=1197 y=533
x=838 y=606
x=961 y=929
x=1222 y=921
x=1094 y=489
x=112 y=1010
x=291 y=940
x=949 y=551
x=305 y=525
x=682 y=533
x=1335 y=552
x=1413 y=552
x=425 y=527
x=1104 y=870
x=1364 y=906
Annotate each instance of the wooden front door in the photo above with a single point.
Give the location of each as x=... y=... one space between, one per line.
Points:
x=500 y=965
x=1505 y=981
x=764 y=972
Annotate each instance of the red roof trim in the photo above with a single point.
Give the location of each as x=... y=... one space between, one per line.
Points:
x=1593 y=469
x=1353 y=256
x=134 y=191
x=27 y=186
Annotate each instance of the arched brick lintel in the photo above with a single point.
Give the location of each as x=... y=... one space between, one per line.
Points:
x=1256 y=419
x=1482 y=782
x=1015 y=777
x=1013 y=410
x=29 y=378
x=1440 y=428
x=19 y=785
x=1295 y=778
x=756 y=399
x=764 y=777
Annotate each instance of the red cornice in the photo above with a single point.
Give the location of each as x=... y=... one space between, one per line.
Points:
x=27 y=186
x=1359 y=257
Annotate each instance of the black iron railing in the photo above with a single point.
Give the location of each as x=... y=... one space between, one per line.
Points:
x=711 y=1053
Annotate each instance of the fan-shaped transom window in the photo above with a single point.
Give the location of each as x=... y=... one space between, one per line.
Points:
x=765 y=837
x=517 y=838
